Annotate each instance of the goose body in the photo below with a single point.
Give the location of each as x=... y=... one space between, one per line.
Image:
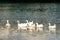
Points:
x=30 y=23
x=32 y=27
x=7 y=24
x=21 y=25
x=52 y=26
x=18 y=25
x=39 y=25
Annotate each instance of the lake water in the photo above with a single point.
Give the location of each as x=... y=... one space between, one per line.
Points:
x=29 y=35
x=37 y=12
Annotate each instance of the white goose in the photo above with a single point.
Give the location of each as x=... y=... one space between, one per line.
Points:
x=7 y=24
x=21 y=25
x=33 y=26
x=30 y=25
x=52 y=27
x=39 y=27
x=27 y=27
x=18 y=25
x=27 y=21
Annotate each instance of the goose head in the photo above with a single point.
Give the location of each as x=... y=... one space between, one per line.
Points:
x=49 y=24
x=55 y=25
x=32 y=22
x=8 y=24
x=18 y=21
x=27 y=21
x=36 y=23
x=7 y=21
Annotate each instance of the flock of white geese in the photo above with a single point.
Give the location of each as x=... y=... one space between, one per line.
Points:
x=30 y=26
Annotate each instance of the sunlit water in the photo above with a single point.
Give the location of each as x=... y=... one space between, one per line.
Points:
x=29 y=35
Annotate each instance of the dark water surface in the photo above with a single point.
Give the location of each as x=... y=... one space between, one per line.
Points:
x=37 y=12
